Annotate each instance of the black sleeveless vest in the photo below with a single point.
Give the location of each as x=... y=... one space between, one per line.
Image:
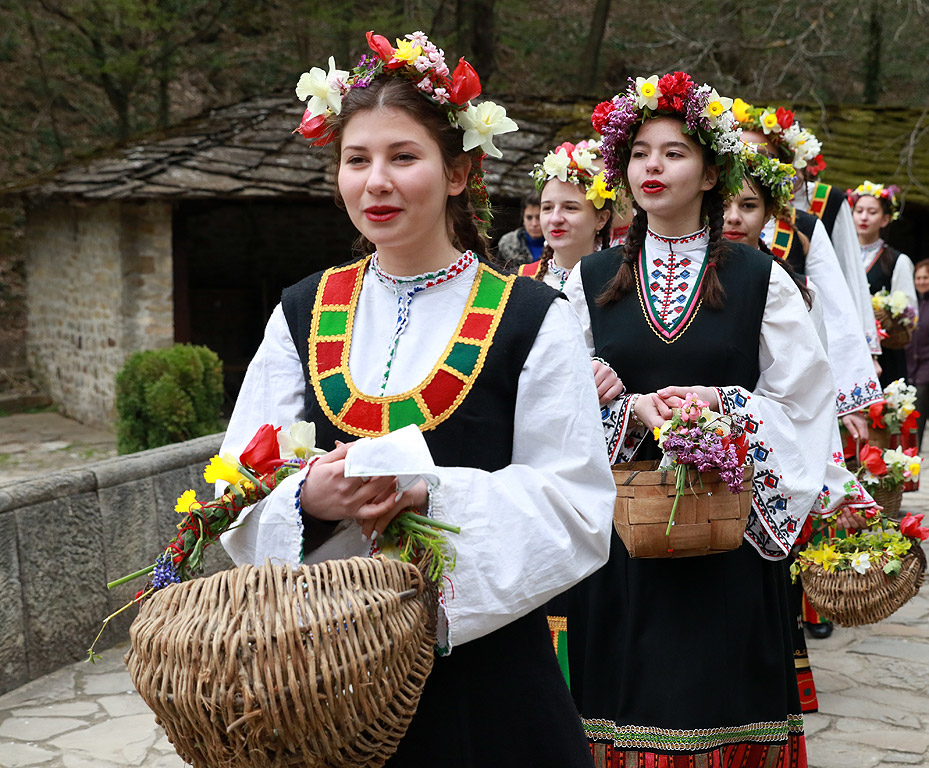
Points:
x=881 y=272
x=719 y=348
x=803 y=222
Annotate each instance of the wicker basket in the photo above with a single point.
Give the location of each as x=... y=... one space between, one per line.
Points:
x=709 y=518
x=851 y=598
x=898 y=336
x=890 y=499
x=266 y=666
x=879 y=438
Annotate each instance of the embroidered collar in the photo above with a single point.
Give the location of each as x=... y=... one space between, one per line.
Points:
x=562 y=273
x=434 y=399
x=417 y=283
x=671 y=272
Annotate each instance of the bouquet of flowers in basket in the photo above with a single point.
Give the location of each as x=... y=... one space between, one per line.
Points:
x=880 y=547
x=272 y=455
x=897 y=411
x=887 y=469
x=895 y=305
x=697 y=437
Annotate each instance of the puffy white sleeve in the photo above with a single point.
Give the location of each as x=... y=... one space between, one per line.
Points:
x=856 y=384
x=789 y=419
x=902 y=280
x=845 y=241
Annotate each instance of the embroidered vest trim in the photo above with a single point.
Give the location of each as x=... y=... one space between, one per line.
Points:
x=531 y=269
x=784 y=233
x=669 y=333
x=819 y=199
x=437 y=396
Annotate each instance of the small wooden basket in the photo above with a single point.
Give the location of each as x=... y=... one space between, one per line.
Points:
x=852 y=599
x=898 y=335
x=709 y=517
x=890 y=499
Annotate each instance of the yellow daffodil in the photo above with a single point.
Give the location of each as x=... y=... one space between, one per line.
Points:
x=599 y=192
x=914 y=468
x=830 y=558
x=647 y=92
x=769 y=122
x=741 y=110
x=186 y=502
x=481 y=123
x=224 y=469
x=716 y=106
x=407 y=50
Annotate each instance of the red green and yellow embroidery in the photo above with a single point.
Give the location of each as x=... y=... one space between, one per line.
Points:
x=669 y=332
x=438 y=395
x=820 y=197
x=783 y=239
x=530 y=269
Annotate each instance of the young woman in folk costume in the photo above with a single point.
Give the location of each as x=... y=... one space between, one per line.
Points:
x=576 y=210
x=778 y=130
x=673 y=658
x=766 y=193
x=423 y=330
x=874 y=206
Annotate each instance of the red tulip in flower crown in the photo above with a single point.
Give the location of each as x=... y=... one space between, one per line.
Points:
x=419 y=61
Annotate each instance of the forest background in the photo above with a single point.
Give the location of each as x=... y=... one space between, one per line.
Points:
x=80 y=76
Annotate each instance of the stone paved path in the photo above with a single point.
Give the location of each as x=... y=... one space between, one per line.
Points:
x=873 y=685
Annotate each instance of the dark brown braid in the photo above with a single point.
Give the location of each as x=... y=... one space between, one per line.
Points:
x=624 y=280
x=544 y=259
x=713 y=292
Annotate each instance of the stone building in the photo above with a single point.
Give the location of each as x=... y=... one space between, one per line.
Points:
x=190 y=236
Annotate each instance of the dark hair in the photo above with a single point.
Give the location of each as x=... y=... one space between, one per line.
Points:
x=602 y=238
x=921 y=263
x=397 y=93
x=530 y=199
x=711 y=211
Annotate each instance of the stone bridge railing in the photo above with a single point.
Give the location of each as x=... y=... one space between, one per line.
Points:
x=64 y=536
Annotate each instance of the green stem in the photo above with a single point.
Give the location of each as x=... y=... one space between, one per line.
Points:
x=254 y=480
x=91 y=654
x=433 y=523
x=131 y=576
x=410 y=525
x=680 y=473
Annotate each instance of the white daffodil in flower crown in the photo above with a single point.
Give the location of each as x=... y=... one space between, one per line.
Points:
x=419 y=61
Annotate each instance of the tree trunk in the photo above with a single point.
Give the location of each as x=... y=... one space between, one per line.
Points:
x=872 y=63
x=483 y=39
x=590 y=55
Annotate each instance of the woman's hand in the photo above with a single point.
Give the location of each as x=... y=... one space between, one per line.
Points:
x=375 y=516
x=848 y=519
x=651 y=410
x=857 y=426
x=673 y=397
x=328 y=495
x=609 y=385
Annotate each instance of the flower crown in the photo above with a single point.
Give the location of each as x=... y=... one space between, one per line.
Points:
x=575 y=163
x=781 y=127
x=419 y=61
x=869 y=188
x=772 y=174
x=707 y=119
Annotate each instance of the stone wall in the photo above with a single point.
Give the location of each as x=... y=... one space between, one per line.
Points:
x=99 y=288
x=63 y=537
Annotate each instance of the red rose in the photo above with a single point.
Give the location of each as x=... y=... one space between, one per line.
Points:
x=674 y=87
x=601 y=114
x=910 y=527
x=876 y=413
x=466 y=85
x=785 y=118
x=380 y=45
x=263 y=453
x=872 y=457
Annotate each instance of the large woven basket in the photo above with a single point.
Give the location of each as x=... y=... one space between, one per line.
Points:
x=709 y=517
x=898 y=336
x=266 y=666
x=851 y=598
x=890 y=499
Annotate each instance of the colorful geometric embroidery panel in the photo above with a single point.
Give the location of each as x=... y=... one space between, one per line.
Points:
x=669 y=291
x=435 y=398
x=820 y=196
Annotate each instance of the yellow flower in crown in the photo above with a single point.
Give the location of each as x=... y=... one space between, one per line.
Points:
x=769 y=122
x=407 y=50
x=599 y=193
x=741 y=110
x=186 y=502
x=225 y=469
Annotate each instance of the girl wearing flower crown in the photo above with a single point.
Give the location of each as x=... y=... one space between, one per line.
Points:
x=874 y=206
x=778 y=132
x=576 y=211
x=422 y=330
x=674 y=657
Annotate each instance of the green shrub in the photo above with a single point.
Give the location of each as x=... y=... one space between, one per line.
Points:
x=168 y=395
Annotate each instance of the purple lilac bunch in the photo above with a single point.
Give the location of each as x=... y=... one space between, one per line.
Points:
x=707 y=451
